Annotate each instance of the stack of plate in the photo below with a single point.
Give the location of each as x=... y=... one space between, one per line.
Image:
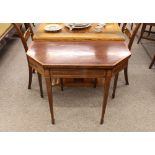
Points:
x=77 y=25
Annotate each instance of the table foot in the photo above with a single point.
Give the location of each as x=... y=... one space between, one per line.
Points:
x=50 y=98
x=53 y=121
x=113 y=96
x=102 y=121
x=106 y=93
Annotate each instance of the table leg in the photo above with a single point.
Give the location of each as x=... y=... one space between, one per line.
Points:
x=30 y=77
x=115 y=85
x=106 y=93
x=50 y=98
x=40 y=84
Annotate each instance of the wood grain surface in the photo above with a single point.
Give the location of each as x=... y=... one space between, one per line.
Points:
x=110 y=32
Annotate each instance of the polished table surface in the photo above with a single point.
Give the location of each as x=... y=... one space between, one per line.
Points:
x=95 y=54
x=111 y=32
x=96 y=59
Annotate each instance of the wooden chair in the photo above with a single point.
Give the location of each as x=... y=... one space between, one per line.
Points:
x=131 y=35
x=24 y=36
x=143 y=30
x=142 y=36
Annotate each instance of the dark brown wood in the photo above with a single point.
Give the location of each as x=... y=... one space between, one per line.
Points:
x=115 y=85
x=126 y=75
x=110 y=32
x=97 y=59
x=50 y=98
x=150 y=30
x=24 y=36
x=95 y=83
x=142 y=36
x=131 y=35
x=40 y=84
x=105 y=94
x=30 y=77
x=86 y=82
x=93 y=54
x=131 y=26
x=142 y=32
x=152 y=62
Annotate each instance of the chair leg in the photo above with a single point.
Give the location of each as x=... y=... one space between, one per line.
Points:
x=126 y=75
x=33 y=70
x=61 y=84
x=30 y=77
x=149 y=30
x=131 y=26
x=152 y=62
x=142 y=32
x=40 y=84
x=95 y=83
x=115 y=85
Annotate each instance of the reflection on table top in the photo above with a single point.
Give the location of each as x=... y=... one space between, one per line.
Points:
x=96 y=54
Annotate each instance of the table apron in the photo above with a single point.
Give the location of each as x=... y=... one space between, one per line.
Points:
x=38 y=67
x=78 y=73
x=120 y=66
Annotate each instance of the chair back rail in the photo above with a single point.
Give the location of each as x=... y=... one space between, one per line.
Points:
x=130 y=33
x=24 y=35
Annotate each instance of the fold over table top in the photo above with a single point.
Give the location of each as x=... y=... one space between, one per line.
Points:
x=96 y=54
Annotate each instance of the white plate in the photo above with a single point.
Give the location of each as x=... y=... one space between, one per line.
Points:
x=52 y=27
x=77 y=25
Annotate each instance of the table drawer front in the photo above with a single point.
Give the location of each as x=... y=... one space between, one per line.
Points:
x=77 y=73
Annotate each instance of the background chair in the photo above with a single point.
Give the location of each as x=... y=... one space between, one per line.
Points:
x=131 y=36
x=24 y=35
x=144 y=29
x=148 y=37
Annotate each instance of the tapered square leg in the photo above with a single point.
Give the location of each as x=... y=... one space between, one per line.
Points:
x=126 y=76
x=115 y=85
x=142 y=32
x=50 y=97
x=40 y=84
x=106 y=93
x=30 y=77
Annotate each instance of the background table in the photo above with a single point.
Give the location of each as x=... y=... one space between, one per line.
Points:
x=111 y=32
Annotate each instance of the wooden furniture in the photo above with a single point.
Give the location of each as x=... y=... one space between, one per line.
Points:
x=5 y=31
x=5 y=28
x=111 y=32
x=142 y=36
x=24 y=36
x=131 y=36
x=143 y=30
x=96 y=59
